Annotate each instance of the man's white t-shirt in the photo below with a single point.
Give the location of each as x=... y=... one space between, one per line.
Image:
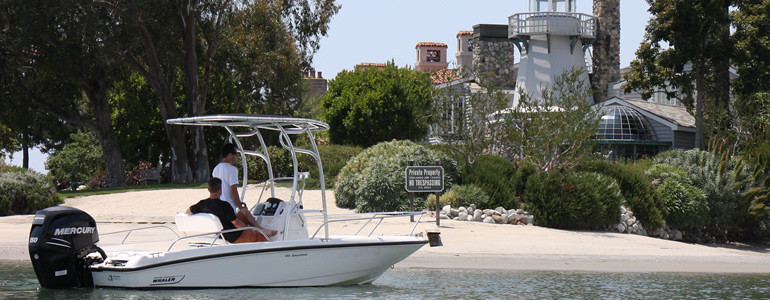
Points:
x=229 y=176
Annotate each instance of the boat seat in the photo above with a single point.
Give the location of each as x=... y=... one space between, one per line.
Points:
x=200 y=222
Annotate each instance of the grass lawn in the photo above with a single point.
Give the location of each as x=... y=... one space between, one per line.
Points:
x=163 y=186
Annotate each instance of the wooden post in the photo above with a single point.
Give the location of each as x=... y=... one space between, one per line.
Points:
x=438 y=208
x=411 y=197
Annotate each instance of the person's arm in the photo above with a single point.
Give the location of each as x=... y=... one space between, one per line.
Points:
x=238 y=224
x=188 y=212
x=234 y=195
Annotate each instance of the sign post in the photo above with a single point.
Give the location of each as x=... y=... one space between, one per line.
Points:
x=426 y=179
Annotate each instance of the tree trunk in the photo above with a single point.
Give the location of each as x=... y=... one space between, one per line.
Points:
x=24 y=151
x=700 y=93
x=200 y=160
x=96 y=91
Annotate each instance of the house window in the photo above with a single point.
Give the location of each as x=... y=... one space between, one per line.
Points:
x=434 y=56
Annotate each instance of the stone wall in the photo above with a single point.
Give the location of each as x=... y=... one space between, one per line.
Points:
x=606 y=57
x=493 y=54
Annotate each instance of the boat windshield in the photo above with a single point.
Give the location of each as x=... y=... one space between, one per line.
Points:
x=242 y=126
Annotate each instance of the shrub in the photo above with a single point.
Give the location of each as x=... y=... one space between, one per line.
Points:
x=493 y=175
x=24 y=191
x=580 y=200
x=333 y=157
x=686 y=204
x=374 y=179
x=638 y=193
x=523 y=171
x=77 y=161
x=461 y=195
x=719 y=179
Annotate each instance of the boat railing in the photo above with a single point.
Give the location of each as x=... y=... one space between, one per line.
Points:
x=128 y=232
x=215 y=235
x=378 y=216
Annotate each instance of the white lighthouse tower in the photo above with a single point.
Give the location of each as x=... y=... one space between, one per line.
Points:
x=551 y=38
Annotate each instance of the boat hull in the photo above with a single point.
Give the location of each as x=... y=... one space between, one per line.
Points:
x=337 y=261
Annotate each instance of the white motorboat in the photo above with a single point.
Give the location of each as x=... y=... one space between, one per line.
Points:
x=64 y=252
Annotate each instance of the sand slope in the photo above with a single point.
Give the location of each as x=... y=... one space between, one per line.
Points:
x=467 y=245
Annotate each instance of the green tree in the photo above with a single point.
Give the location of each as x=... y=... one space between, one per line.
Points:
x=368 y=106
x=752 y=62
x=466 y=119
x=556 y=130
x=60 y=61
x=77 y=161
x=685 y=54
x=187 y=37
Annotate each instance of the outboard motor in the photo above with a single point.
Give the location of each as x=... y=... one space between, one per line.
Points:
x=59 y=241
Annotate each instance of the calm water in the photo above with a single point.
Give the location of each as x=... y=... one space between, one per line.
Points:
x=17 y=281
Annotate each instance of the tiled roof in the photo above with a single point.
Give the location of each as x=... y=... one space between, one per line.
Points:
x=444 y=76
x=376 y=65
x=674 y=114
x=464 y=32
x=430 y=44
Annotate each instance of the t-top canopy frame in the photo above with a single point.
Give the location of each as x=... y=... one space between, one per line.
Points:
x=254 y=123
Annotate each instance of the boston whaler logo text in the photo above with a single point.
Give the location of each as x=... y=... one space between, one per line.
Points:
x=74 y=230
x=167 y=279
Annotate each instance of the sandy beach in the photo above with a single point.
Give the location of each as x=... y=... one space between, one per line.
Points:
x=466 y=245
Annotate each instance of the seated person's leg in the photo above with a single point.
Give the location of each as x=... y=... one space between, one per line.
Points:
x=250 y=236
x=248 y=219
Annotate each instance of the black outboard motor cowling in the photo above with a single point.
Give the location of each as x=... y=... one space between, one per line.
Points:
x=59 y=241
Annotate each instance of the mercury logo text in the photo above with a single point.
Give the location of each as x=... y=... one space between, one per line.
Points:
x=74 y=230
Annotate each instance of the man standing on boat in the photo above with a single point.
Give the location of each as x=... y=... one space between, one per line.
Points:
x=228 y=174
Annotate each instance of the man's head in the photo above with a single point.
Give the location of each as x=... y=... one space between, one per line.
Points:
x=215 y=187
x=227 y=150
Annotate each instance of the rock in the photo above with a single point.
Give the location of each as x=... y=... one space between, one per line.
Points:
x=519 y=211
x=454 y=212
x=500 y=210
x=462 y=215
x=621 y=227
x=528 y=219
x=462 y=209
x=488 y=212
x=505 y=219
x=497 y=218
x=489 y=220
x=676 y=235
x=623 y=218
x=446 y=209
x=511 y=212
x=477 y=216
x=456 y=218
x=631 y=220
x=472 y=207
x=470 y=218
x=444 y=217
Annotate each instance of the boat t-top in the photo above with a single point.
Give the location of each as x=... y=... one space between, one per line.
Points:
x=65 y=253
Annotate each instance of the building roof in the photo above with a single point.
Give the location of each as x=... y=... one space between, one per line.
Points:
x=430 y=44
x=464 y=32
x=444 y=76
x=376 y=65
x=676 y=117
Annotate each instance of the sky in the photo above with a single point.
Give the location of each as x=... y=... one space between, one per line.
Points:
x=380 y=31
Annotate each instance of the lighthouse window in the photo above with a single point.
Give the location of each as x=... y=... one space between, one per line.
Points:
x=434 y=56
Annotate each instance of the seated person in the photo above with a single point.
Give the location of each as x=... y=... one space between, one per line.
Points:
x=229 y=219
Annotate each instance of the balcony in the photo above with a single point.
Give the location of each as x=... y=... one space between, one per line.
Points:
x=554 y=23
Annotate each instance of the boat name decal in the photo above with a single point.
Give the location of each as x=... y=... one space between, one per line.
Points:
x=74 y=230
x=171 y=279
x=295 y=255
